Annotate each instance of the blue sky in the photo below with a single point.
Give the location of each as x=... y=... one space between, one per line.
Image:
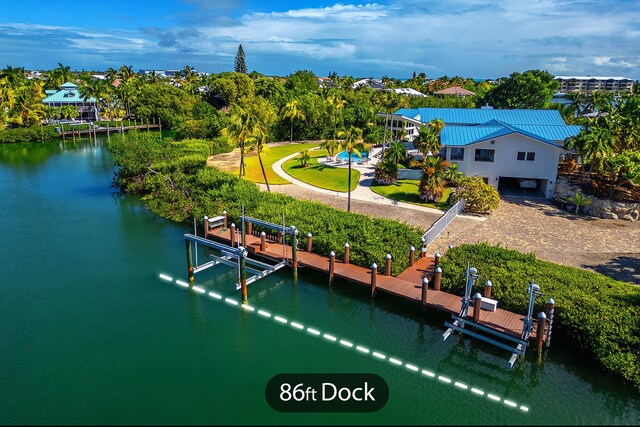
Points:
x=471 y=38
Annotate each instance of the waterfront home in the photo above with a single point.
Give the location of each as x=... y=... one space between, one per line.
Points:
x=588 y=84
x=509 y=149
x=70 y=95
x=454 y=91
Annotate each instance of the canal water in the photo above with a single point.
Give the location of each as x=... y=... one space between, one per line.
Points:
x=89 y=332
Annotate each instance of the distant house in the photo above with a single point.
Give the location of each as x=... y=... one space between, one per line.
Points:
x=407 y=91
x=507 y=148
x=588 y=84
x=372 y=83
x=69 y=95
x=325 y=82
x=454 y=91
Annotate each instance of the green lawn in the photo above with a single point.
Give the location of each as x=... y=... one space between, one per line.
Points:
x=406 y=190
x=322 y=176
x=273 y=154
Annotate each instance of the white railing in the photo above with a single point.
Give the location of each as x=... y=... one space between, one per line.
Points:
x=442 y=223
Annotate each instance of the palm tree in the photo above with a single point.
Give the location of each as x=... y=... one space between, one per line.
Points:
x=389 y=101
x=452 y=174
x=428 y=139
x=262 y=116
x=305 y=157
x=336 y=104
x=353 y=145
x=432 y=182
x=579 y=200
x=396 y=153
x=27 y=108
x=331 y=145
x=291 y=112
x=238 y=130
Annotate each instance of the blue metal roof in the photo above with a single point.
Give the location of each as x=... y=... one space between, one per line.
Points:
x=474 y=116
x=457 y=136
x=67 y=96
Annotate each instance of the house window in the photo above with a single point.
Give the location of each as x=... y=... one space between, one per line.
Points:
x=484 y=155
x=456 y=153
x=530 y=156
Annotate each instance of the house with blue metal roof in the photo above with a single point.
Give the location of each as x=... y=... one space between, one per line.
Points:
x=70 y=95
x=510 y=149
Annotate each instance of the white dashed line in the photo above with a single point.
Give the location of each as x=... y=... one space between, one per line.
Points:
x=460 y=385
x=281 y=319
x=199 y=290
x=264 y=313
x=428 y=373
x=297 y=325
x=444 y=379
x=183 y=284
x=346 y=343
x=477 y=391
x=330 y=337
x=230 y=301
x=524 y=408
x=510 y=403
x=313 y=331
x=247 y=307
x=395 y=361
x=165 y=277
x=362 y=349
x=214 y=295
x=411 y=367
x=379 y=355
x=493 y=397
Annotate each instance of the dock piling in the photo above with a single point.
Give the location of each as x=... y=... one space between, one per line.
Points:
x=294 y=252
x=542 y=323
x=189 y=261
x=387 y=266
x=412 y=252
x=437 y=281
x=309 y=242
x=346 y=253
x=487 y=288
x=550 y=310
x=423 y=252
x=263 y=241
x=374 y=277
x=477 y=301
x=425 y=288
x=436 y=259
x=224 y=224
x=206 y=226
x=332 y=261
x=232 y=232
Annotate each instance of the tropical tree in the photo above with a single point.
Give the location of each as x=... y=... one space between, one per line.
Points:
x=579 y=200
x=453 y=175
x=532 y=89
x=428 y=139
x=59 y=76
x=240 y=64
x=238 y=130
x=304 y=158
x=27 y=108
x=433 y=179
x=353 y=144
x=336 y=104
x=396 y=153
x=262 y=115
x=386 y=172
x=331 y=145
x=389 y=100
x=291 y=112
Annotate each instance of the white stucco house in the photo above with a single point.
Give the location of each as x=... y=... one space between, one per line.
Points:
x=507 y=148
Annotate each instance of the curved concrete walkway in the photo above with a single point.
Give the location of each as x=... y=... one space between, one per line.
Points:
x=362 y=192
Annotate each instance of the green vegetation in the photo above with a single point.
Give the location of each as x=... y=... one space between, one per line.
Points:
x=598 y=314
x=386 y=171
x=33 y=133
x=274 y=154
x=406 y=190
x=319 y=175
x=479 y=196
x=173 y=180
x=531 y=89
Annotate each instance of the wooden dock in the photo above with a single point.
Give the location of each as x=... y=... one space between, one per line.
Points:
x=407 y=285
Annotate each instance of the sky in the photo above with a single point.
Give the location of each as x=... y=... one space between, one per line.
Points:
x=469 y=38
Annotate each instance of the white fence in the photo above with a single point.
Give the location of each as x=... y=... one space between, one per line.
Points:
x=442 y=223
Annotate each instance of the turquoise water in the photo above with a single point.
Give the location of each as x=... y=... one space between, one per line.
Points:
x=344 y=156
x=90 y=334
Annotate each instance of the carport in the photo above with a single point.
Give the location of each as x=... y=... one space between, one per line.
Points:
x=510 y=187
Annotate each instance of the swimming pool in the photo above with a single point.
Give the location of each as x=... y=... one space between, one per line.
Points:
x=344 y=156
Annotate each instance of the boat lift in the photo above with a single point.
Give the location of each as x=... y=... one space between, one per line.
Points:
x=517 y=346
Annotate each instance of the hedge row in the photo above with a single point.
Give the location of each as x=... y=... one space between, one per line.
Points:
x=600 y=315
x=28 y=134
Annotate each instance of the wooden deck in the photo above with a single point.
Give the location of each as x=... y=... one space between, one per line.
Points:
x=407 y=285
